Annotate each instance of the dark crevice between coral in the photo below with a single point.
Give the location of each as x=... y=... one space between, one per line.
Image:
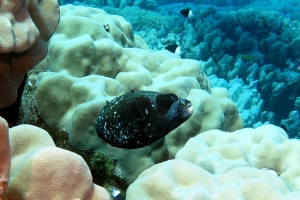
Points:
x=10 y=113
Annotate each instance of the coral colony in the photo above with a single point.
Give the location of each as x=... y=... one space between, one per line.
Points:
x=149 y=99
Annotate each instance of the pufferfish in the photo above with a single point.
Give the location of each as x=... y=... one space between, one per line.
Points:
x=140 y=118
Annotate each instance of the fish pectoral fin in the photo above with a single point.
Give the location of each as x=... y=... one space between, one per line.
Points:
x=142 y=111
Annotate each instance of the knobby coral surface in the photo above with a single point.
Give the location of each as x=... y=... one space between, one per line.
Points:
x=25 y=27
x=261 y=163
x=40 y=170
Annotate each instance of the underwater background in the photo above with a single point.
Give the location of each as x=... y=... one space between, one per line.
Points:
x=235 y=64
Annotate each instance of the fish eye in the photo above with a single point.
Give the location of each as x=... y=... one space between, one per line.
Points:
x=106 y=27
x=146 y=111
x=186 y=103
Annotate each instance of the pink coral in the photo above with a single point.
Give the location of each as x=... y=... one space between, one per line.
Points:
x=25 y=27
x=40 y=170
x=4 y=156
x=22 y=22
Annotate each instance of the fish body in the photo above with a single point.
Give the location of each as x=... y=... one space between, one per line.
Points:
x=187 y=13
x=174 y=48
x=140 y=118
x=246 y=57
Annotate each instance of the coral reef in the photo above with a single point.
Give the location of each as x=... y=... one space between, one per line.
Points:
x=254 y=44
x=251 y=58
x=144 y=4
x=90 y=66
x=259 y=163
x=163 y=24
x=292 y=124
x=25 y=27
x=152 y=4
x=289 y=7
x=246 y=97
x=260 y=50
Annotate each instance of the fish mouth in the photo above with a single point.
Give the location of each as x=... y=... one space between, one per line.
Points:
x=188 y=111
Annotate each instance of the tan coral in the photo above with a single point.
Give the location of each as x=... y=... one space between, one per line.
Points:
x=267 y=146
x=252 y=164
x=40 y=170
x=4 y=157
x=179 y=179
x=232 y=119
x=25 y=27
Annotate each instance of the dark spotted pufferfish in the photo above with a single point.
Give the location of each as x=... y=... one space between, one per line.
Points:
x=140 y=118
